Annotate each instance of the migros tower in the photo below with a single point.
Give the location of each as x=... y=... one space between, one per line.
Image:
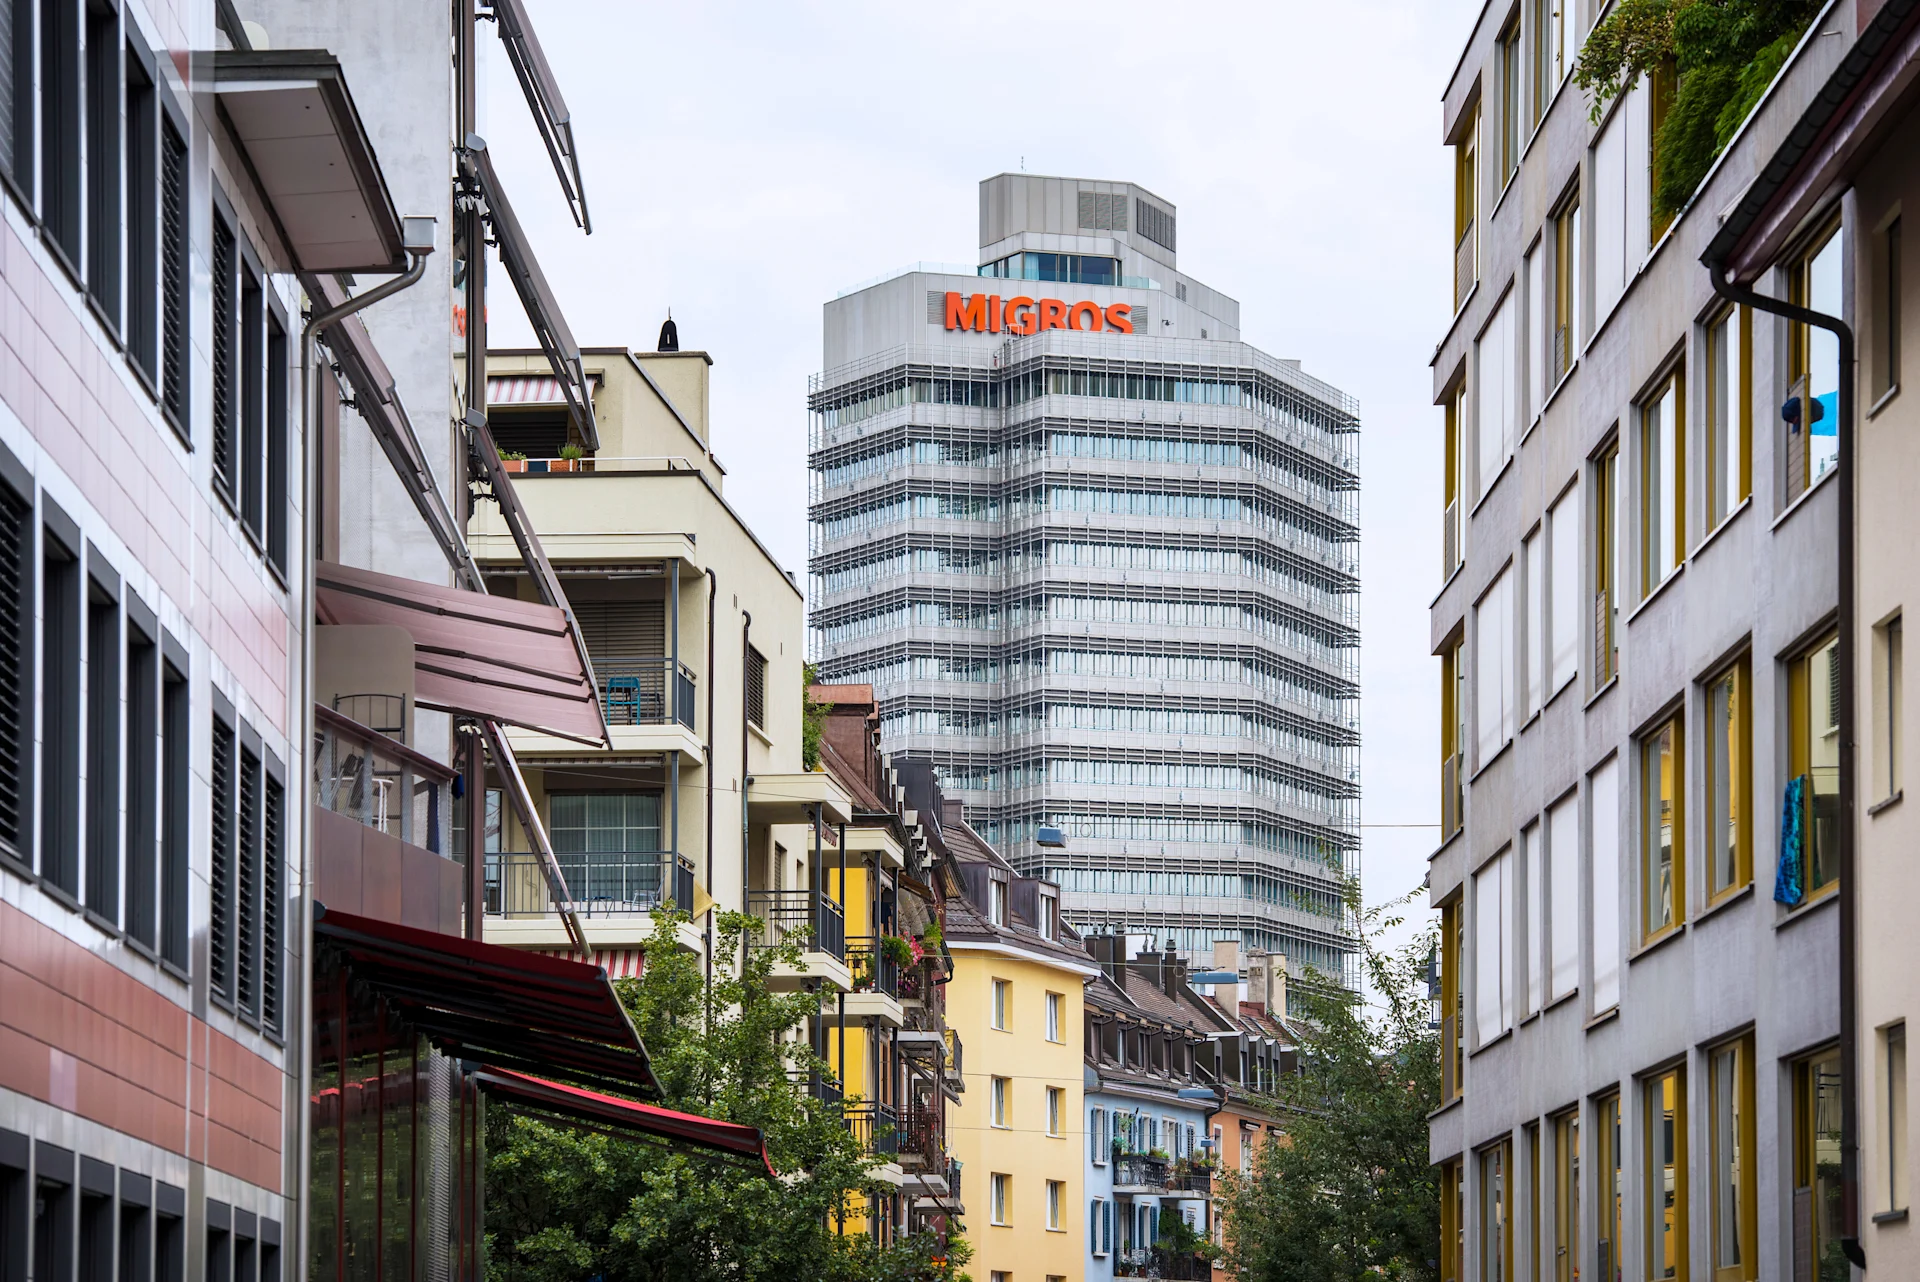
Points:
x=1099 y=560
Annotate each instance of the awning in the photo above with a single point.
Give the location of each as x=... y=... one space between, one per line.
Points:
x=619 y=963
x=294 y=117
x=624 y=1117
x=529 y=389
x=536 y=295
x=515 y=1010
x=550 y=114
x=486 y=656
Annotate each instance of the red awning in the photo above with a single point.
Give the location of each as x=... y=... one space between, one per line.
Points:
x=501 y=1006
x=491 y=657
x=624 y=1116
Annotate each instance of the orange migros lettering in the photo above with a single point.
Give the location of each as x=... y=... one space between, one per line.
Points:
x=966 y=311
x=989 y=313
x=1020 y=315
x=1120 y=316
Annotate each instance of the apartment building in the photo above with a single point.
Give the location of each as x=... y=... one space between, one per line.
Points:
x=1643 y=823
x=1098 y=558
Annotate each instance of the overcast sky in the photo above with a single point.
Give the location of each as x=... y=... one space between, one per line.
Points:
x=744 y=163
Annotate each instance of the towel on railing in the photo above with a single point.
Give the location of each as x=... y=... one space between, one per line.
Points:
x=1793 y=843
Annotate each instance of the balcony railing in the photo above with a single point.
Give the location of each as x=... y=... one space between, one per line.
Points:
x=810 y=914
x=1197 y=1182
x=600 y=884
x=873 y=970
x=645 y=691
x=1453 y=807
x=876 y=1126
x=923 y=1142
x=1466 y=268
x=1450 y=542
x=956 y=1075
x=1152 y=1262
x=380 y=781
x=1139 y=1171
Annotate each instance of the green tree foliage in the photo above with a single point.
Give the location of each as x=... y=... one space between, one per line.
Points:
x=1349 y=1193
x=1723 y=54
x=567 y=1205
x=813 y=718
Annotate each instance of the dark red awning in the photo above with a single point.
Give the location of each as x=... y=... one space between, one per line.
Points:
x=500 y=1006
x=624 y=1116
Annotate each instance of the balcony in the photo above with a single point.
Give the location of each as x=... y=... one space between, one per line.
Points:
x=874 y=961
x=380 y=782
x=645 y=691
x=1194 y=1181
x=599 y=884
x=1139 y=1173
x=923 y=1143
x=876 y=1126
x=812 y=919
x=1152 y=1262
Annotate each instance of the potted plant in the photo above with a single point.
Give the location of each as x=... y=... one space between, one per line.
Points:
x=513 y=460
x=897 y=950
x=569 y=460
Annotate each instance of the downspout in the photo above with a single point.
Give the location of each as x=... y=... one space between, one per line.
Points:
x=746 y=646
x=418 y=246
x=1849 y=822
x=706 y=748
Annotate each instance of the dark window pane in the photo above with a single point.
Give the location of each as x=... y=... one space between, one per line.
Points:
x=175 y=785
x=247 y=907
x=173 y=276
x=103 y=161
x=60 y=128
x=60 y=720
x=221 y=874
x=225 y=326
x=143 y=805
x=103 y=756
x=279 y=514
x=143 y=218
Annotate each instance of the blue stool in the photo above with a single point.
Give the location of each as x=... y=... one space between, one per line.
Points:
x=623 y=693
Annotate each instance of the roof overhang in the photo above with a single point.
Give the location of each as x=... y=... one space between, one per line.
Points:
x=516 y=1010
x=491 y=657
x=797 y=798
x=295 y=120
x=625 y=1118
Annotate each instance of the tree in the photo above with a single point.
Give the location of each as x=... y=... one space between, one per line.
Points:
x=564 y=1205
x=1720 y=56
x=813 y=718
x=1349 y=1193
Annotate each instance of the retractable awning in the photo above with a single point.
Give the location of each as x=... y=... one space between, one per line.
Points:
x=624 y=1117
x=515 y=1010
x=529 y=389
x=550 y=114
x=491 y=657
x=297 y=123
x=536 y=295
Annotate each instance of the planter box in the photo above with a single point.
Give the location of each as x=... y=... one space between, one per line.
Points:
x=514 y=464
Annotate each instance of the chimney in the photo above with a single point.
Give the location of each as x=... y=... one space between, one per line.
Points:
x=1257 y=975
x=1277 y=985
x=669 y=335
x=1226 y=955
x=1173 y=973
x=1110 y=952
x=951 y=811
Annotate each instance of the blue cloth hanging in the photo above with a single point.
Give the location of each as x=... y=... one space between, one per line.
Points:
x=1793 y=844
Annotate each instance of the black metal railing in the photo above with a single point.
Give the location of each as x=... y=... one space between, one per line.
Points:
x=683 y=884
x=876 y=1126
x=1171 y=1266
x=922 y=1136
x=1137 y=1170
x=873 y=970
x=1200 y=1182
x=599 y=884
x=810 y=914
x=824 y=1088
x=645 y=691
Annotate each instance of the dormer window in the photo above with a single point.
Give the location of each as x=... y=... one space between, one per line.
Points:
x=1050 y=913
x=997 y=901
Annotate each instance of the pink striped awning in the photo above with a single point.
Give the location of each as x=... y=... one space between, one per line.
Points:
x=620 y=963
x=487 y=656
x=529 y=389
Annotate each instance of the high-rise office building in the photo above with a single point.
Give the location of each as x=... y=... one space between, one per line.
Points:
x=1098 y=558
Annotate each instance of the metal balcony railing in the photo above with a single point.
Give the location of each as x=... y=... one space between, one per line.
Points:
x=923 y=1142
x=1139 y=1171
x=876 y=1126
x=1152 y=1262
x=1199 y=1182
x=599 y=884
x=956 y=1078
x=379 y=781
x=645 y=691
x=1466 y=268
x=810 y=914
x=873 y=970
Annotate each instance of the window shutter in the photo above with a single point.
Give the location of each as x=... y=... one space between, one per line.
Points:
x=224 y=266
x=247 y=907
x=173 y=270
x=220 y=935
x=16 y=720
x=1088 y=204
x=273 y=899
x=936 y=307
x=1139 y=318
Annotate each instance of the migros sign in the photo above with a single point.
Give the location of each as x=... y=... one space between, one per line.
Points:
x=989 y=313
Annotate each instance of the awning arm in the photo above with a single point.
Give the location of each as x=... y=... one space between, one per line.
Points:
x=536 y=295
x=520 y=797
x=550 y=114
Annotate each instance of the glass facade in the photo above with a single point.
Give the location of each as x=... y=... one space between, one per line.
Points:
x=1114 y=594
x=1073 y=269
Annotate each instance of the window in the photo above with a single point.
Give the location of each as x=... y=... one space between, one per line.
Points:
x=136 y=1229
x=251 y=482
x=1533 y=870
x=1096 y=1222
x=1496 y=405
x=1663 y=485
x=96 y=1221
x=273 y=898
x=17 y=628
x=608 y=823
x=1666 y=1185
x=60 y=129
x=1816 y=1163
x=1492 y=951
x=52 y=1211
x=169 y=1237
x=1533 y=568
x=222 y=874
x=143 y=213
x=1603 y=791
x=1452 y=1004
x=1893 y=1120
x=1886 y=312
x=1535 y=358
x=1053 y=1017
x=17 y=110
x=1453 y=1221
x=176 y=266
x=104 y=76
x=1002 y=995
x=997 y=893
x=1608 y=561
x=1510 y=101
x=60 y=648
x=1563 y=593
x=756 y=687
x=1622 y=198
x=1549 y=52
x=1496 y=1212
x=1563 y=343
x=1097 y=1132
x=1811 y=415
x=1729 y=406
x=103 y=753
x=998 y=1099
x=1049 y=915
x=1563 y=897
x=1887 y=689
x=1453 y=738
x=1611 y=1154
x=1053 y=1206
x=143 y=768
x=1729 y=782
x=247 y=901
x=1466 y=181
x=1001 y=1196
x=176 y=803
x=1662 y=87
x=1813 y=788
x=225 y=302
x=1054 y=1096
x=1453 y=540
x=1731 y=1161
x=1663 y=862
x=1566 y=1196
x=1493 y=669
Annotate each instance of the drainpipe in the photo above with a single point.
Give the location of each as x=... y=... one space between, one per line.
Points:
x=706 y=748
x=746 y=644
x=417 y=238
x=1849 y=820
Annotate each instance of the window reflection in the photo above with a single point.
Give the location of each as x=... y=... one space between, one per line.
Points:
x=1071 y=269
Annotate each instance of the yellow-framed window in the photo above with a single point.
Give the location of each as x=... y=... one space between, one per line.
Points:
x=1453 y=737
x=1663 y=84
x=1813 y=751
x=1816 y=1162
x=1548 y=23
x=1496 y=1212
x=1453 y=1059
x=1608 y=559
x=1813 y=365
x=1663 y=483
x=1729 y=781
x=1729 y=409
x=1663 y=860
x=1732 y=1152
x=1566 y=285
x=1666 y=1175
x=1510 y=100
x=1566 y=1196
x=1609 y=1153
x=1453 y=1232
